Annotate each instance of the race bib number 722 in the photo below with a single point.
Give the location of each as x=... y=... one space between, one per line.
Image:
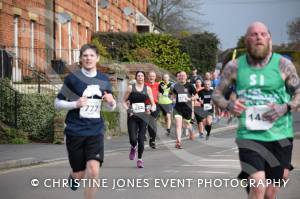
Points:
x=254 y=118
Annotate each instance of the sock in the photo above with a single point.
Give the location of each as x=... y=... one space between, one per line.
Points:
x=208 y=129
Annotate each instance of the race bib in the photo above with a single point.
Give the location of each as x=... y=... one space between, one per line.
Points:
x=92 y=109
x=182 y=98
x=254 y=118
x=138 y=107
x=207 y=107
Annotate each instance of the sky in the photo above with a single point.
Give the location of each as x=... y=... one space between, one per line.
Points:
x=229 y=19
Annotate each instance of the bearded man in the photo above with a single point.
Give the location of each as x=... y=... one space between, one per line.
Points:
x=268 y=90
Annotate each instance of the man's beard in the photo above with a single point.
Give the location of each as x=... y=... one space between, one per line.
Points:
x=258 y=52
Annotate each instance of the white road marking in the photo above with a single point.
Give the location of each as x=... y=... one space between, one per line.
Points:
x=171 y=171
x=226 y=150
x=215 y=155
x=213 y=165
x=213 y=172
x=218 y=160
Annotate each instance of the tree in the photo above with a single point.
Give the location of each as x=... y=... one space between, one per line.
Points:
x=174 y=16
x=294 y=30
x=241 y=42
x=202 y=49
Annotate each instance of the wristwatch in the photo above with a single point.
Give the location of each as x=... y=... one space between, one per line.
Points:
x=289 y=108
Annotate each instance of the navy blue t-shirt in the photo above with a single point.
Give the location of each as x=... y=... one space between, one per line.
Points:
x=75 y=85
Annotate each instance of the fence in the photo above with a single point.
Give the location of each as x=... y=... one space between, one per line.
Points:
x=8 y=104
x=32 y=69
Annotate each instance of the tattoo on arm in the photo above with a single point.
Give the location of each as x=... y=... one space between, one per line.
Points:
x=292 y=82
x=228 y=78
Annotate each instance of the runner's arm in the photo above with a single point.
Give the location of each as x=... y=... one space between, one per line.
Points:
x=228 y=78
x=149 y=92
x=292 y=82
x=64 y=104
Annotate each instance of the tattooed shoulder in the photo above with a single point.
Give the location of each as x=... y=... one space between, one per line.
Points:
x=290 y=75
x=230 y=70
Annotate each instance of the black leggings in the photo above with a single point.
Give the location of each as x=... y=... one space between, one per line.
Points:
x=136 y=130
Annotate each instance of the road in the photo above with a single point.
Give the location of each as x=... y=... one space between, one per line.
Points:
x=203 y=169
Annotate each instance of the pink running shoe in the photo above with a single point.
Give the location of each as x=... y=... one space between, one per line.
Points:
x=132 y=153
x=140 y=164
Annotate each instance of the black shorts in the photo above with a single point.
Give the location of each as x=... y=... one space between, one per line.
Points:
x=84 y=148
x=185 y=113
x=271 y=157
x=200 y=114
x=165 y=108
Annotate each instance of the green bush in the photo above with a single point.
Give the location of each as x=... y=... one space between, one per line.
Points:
x=118 y=45
x=12 y=136
x=111 y=119
x=141 y=55
x=160 y=49
x=36 y=115
x=104 y=55
x=166 y=52
x=202 y=49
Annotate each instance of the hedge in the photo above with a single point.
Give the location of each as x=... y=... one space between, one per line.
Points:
x=164 y=50
x=118 y=45
x=202 y=49
x=35 y=113
x=36 y=116
x=160 y=49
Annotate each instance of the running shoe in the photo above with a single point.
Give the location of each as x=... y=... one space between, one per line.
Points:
x=132 y=153
x=152 y=144
x=168 y=132
x=178 y=145
x=140 y=163
x=207 y=137
x=200 y=135
x=73 y=184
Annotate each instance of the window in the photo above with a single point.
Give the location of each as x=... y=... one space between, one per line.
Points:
x=32 y=24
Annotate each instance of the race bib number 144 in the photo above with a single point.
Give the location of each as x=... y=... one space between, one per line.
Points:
x=254 y=118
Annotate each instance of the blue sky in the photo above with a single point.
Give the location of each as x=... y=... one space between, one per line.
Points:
x=229 y=19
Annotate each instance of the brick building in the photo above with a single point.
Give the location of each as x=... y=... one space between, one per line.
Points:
x=31 y=29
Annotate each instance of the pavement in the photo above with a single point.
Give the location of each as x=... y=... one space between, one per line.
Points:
x=13 y=156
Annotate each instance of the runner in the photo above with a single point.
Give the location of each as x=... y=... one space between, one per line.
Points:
x=82 y=94
x=268 y=89
x=152 y=125
x=164 y=101
x=183 y=93
x=194 y=76
x=207 y=108
x=138 y=114
x=197 y=108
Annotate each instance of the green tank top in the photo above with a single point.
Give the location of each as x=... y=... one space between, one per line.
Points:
x=259 y=87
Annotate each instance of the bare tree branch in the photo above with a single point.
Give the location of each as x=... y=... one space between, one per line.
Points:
x=294 y=30
x=176 y=15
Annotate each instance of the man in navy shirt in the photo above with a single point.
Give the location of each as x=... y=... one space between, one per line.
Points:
x=82 y=94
